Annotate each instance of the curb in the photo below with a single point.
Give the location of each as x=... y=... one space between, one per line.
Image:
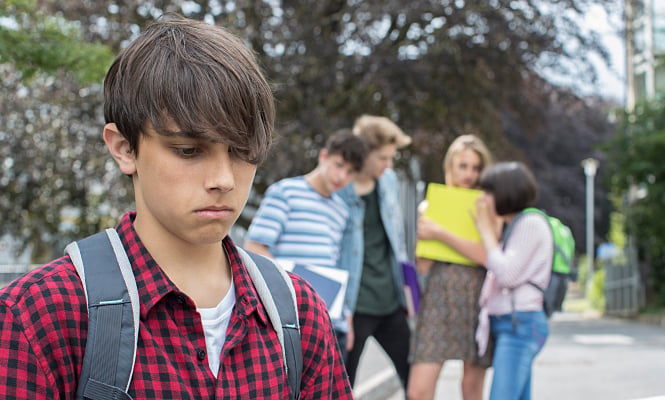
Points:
x=658 y=320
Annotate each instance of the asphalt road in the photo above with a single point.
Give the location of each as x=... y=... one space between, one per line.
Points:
x=586 y=357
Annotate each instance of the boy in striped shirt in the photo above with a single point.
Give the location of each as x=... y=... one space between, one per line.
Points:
x=301 y=219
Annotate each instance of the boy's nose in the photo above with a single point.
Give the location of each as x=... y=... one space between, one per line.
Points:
x=220 y=174
x=346 y=174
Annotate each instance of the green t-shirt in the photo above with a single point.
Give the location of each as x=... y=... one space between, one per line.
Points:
x=377 y=289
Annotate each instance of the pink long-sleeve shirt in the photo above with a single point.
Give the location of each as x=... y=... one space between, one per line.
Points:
x=527 y=256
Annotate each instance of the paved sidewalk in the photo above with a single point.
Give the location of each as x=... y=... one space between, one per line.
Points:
x=448 y=386
x=377 y=379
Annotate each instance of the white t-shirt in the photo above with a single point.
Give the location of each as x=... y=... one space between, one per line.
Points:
x=215 y=321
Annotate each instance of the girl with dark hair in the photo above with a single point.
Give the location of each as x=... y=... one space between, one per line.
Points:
x=512 y=305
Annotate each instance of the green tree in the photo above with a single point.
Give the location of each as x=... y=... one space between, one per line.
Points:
x=435 y=67
x=638 y=176
x=33 y=41
x=56 y=179
x=51 y=106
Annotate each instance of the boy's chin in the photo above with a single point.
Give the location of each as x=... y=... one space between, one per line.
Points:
x=208 y=238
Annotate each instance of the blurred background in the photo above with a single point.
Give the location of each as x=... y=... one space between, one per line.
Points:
x=550 y=83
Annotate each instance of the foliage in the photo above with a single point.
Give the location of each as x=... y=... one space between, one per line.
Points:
x=571 y=130
x=582 y=271
x=617 y=233
x=597 y=290
x=34 y=41
x=594 y=291
x=638 y=177
x=435 y=67
x=56 y=180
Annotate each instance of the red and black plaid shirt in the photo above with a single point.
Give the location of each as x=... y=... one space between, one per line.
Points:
x=43 y=323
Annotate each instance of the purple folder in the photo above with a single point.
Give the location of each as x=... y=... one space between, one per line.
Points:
x=411 y=287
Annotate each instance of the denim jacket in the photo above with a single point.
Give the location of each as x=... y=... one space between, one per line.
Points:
x=351 y=252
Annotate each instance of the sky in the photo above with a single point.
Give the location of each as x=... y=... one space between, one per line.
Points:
x=611 y=79
x=611 y=82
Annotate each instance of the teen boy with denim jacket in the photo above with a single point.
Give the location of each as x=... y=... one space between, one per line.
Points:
x=373 y=247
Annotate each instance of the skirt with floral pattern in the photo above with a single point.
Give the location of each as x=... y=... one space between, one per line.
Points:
x=448 y=316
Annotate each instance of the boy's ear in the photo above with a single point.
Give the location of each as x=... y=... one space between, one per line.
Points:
x=120 y=149
x=323 y=154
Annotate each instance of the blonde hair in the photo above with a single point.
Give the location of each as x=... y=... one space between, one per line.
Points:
x=464 y=142
x=380 y=131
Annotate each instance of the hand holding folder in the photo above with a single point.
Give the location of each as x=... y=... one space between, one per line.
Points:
x=450 y=207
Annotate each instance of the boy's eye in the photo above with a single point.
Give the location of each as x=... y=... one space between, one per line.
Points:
x=187 y=152
x=239 y=153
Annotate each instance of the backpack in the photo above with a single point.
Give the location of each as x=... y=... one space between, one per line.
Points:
x=562 y=261
x=113 y=315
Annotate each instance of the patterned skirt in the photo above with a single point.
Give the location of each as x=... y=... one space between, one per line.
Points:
x=448 y=316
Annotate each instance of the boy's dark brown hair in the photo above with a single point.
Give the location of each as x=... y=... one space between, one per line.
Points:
x=513 y=186
x=194 y=77
x=350 y=147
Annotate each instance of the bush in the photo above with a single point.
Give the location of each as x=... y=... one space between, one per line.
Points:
x=596 y=295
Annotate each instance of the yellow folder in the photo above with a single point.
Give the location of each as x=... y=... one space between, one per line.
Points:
x=451 y=208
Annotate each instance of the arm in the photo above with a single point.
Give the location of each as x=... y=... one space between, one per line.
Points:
x=21 y=373
x=486 y=222
x=268 y=222
x=350 y=335
x=527 y=250
x=324 y=375
x=430 y=230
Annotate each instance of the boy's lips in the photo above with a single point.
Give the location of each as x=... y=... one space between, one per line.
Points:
x=215 y=212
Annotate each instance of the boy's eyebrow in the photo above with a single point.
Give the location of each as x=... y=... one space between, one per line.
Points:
x=178 y=133
x=190 y=135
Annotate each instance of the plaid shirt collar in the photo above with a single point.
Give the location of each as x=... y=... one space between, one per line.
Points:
x=153 y=284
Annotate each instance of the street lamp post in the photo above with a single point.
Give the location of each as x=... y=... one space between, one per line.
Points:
x=590 y=166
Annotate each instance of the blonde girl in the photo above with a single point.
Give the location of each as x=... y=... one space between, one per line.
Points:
x=448 y=316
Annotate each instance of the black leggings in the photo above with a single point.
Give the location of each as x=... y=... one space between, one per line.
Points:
x=391 y=332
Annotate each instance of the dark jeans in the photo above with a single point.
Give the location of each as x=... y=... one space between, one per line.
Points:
x=391 y=332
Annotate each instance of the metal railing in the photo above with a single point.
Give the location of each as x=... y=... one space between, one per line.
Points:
x=624 y=293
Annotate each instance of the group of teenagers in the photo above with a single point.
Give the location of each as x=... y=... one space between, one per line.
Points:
x=189 y=118
x=346 y=214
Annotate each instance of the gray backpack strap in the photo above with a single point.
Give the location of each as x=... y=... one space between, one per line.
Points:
x=275 y=289
x=113 y=316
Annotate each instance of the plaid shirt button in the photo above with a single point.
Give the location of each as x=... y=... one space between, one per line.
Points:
x=201 y=354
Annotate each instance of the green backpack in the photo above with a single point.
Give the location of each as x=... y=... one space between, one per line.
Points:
x=564 y=247
x=563 y=269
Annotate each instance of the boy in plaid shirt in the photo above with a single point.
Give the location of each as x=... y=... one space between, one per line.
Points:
x=189 y=117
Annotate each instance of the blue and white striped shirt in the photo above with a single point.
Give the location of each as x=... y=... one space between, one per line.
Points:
x=298 y=224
